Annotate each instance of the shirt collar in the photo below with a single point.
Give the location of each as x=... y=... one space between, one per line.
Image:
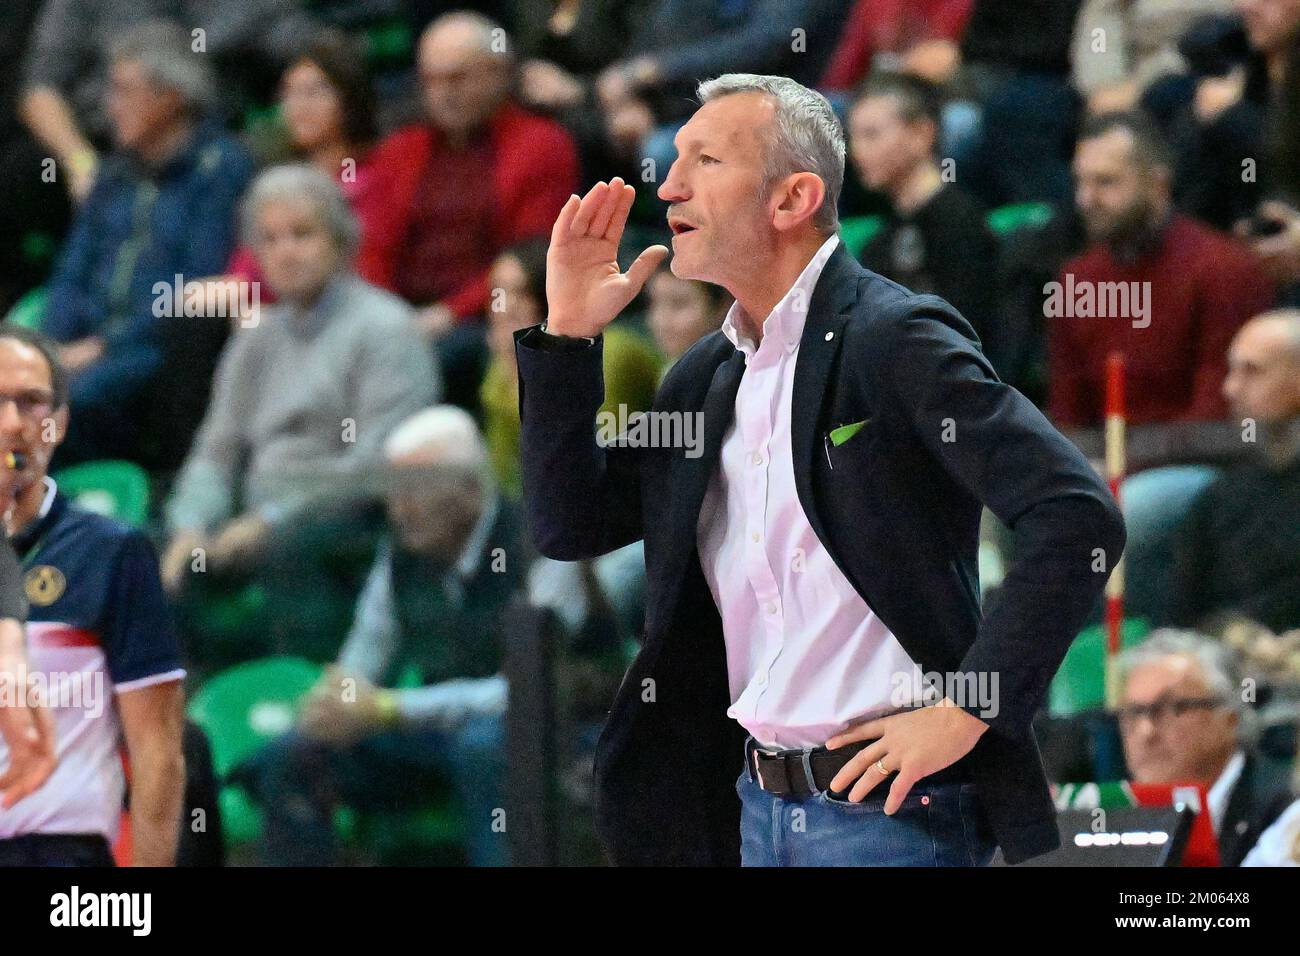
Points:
x=309 y=321
x=1217 y=796
x=24 y=537
x=786 y=321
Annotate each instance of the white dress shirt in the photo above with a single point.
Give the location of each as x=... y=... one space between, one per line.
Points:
x=1279 y=845
x=1217 y=796
x=806 y=656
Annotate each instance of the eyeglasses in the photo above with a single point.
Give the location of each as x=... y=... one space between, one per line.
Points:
x=32 y=405
x=1162 y=710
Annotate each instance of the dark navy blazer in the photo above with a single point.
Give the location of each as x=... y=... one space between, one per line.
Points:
x=898 y=507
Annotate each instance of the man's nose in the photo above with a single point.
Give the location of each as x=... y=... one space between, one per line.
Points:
x=11 y=423
x=673 y=189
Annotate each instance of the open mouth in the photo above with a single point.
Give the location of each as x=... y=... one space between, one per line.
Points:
x=680 y=227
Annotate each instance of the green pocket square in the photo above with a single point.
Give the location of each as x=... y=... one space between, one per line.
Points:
x=842 y=434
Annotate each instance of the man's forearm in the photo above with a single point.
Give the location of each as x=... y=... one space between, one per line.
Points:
x=583 y=499
x=47 y=114
x=157 y=794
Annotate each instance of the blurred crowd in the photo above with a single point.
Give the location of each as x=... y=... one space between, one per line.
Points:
x=281 y=248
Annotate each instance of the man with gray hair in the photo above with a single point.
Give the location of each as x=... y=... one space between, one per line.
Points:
x=821 y=552
x=433 y=604
x=303 y=400
x=72 y=42
x=172 y=170
x=1182 y=720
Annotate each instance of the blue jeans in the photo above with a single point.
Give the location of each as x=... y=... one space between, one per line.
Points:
x=937 y=825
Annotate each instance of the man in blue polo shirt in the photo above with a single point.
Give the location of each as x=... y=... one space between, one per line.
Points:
x=101 y=646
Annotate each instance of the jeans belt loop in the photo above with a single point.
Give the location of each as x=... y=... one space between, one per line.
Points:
x=807 y=770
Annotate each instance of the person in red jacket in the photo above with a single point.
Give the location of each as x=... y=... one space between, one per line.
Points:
x=477 y=175
x=1158 y=286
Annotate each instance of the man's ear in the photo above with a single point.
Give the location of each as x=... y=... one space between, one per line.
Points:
x=798 y=199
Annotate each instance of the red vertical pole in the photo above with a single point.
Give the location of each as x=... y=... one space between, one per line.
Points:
x=1116 y=466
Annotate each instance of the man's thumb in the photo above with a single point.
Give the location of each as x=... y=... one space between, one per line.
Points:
x=644 y=267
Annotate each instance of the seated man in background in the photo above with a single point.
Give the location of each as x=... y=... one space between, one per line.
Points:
x=432 y=608
x=934 y=238
x=1181 y=720
x=1168 y=293
x=478 y=174
x=64 y=70
x=163 y=205
x=1186 y=289
x=302 y=403
x=1237 y=553
x=101 y=643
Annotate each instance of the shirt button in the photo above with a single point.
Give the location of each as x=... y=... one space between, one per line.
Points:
x=761 y=679
x=758 y=459
x=755 y=536
x=771 y=608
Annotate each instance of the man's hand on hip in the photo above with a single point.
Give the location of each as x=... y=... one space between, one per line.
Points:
x=915 y=744
x=584 y=288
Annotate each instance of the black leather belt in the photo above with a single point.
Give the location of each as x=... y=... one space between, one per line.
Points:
x=799 y=773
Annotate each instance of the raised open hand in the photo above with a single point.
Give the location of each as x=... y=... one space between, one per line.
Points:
x=584 y=288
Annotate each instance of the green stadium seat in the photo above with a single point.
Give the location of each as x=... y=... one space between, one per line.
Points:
x=116 y=489
x=1024 y=215
x=244 y=708
x=857 y=231
x=29 y=311
x=388 y=42
x=241 y=710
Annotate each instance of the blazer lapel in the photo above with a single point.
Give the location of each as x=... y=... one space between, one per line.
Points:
x=719 y=409
x=828 y=310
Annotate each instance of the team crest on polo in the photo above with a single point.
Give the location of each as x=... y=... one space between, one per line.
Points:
x=44 y=585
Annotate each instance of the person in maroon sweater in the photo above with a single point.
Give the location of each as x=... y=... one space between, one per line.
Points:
x=478 y=175
x=1166 y=291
